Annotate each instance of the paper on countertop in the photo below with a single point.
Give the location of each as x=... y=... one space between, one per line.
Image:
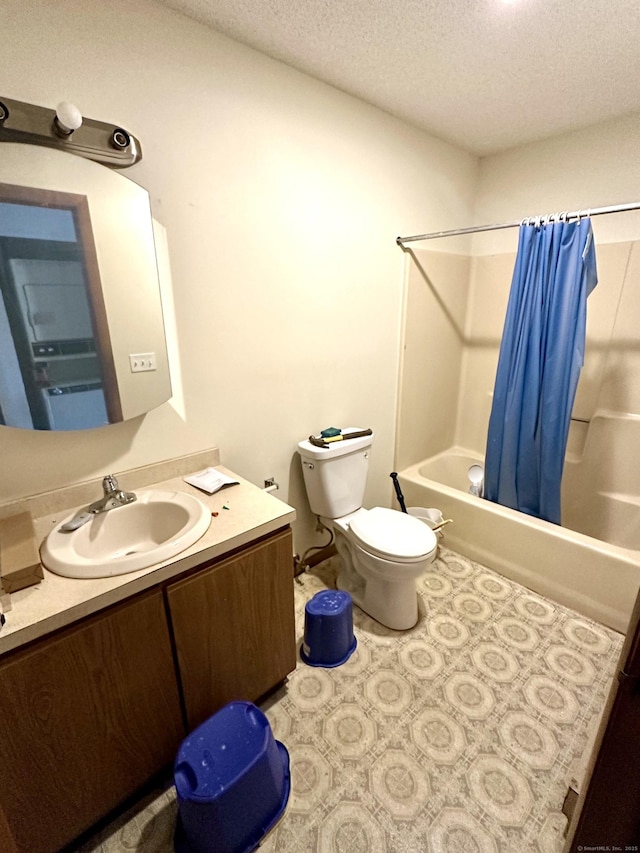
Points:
x=210 y=480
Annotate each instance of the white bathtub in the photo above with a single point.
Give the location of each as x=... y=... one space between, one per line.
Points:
x=593 y=577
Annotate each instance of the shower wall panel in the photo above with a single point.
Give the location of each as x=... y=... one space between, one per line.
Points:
x=620 y=389
x=436 y=299
x=610 y=377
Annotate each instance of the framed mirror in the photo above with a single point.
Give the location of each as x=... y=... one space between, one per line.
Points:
x=81 y=329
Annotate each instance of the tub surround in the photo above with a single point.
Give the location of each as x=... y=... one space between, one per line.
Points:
x=453 y=316
x=57 y=602
x=601 y=481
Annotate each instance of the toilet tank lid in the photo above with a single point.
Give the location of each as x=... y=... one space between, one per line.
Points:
x=388 y=531
x=335 y=448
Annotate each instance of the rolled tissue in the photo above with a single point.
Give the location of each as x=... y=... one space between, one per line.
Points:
x=210 y=480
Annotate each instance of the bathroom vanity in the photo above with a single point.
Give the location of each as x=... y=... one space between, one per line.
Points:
x=102 y=679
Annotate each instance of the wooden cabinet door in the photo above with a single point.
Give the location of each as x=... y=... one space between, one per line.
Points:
x=233 y=625
x=86 y=717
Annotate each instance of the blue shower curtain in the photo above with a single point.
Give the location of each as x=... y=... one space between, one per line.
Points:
x=541 y=354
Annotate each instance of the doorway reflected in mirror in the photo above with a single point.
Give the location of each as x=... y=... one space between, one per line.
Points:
x=79 y=294
x=56 y=367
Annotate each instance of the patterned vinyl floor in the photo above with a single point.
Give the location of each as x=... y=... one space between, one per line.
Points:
x=458 y=736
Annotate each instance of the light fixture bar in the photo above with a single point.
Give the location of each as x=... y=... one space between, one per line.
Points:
x=106 y=143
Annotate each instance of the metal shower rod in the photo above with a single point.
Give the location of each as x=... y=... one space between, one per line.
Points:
x=574 y=214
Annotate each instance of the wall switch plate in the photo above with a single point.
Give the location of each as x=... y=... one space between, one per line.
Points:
x=140 y=362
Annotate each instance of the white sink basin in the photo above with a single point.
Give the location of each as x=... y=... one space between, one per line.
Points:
x=157 y=526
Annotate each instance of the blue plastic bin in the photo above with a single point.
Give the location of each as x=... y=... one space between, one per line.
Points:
x=232 y=781
x=328 y=629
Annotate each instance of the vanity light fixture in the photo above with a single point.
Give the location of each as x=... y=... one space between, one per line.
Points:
x=66 y=128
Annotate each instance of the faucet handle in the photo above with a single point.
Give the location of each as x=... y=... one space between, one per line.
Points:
x=109 y=484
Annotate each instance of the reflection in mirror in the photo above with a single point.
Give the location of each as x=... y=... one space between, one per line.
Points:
x=57 y=369
x=81 y=333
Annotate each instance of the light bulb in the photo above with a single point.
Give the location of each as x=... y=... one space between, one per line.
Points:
x=68 y=118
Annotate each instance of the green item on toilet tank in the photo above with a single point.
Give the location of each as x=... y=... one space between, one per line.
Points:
x=329 y=432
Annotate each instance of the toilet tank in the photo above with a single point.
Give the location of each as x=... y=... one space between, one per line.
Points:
x=335 y=477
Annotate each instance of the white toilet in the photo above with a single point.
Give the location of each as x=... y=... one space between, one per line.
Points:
x=383 y=551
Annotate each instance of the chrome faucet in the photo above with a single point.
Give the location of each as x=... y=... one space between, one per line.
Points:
x=113 y=497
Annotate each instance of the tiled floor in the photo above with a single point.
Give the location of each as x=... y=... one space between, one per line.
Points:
x=460 y=735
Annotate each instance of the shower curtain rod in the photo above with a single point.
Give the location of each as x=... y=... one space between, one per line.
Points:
x=574 y=214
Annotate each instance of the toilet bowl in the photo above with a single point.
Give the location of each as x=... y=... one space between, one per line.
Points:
x=383 y=551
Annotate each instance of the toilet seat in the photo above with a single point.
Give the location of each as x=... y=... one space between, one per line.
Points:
x=392 y=535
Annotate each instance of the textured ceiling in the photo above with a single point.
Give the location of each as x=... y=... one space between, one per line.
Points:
x=484 y=74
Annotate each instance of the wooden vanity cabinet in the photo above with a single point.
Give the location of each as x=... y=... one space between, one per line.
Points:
x=86 y=717
x=89 y=714
x=233 y=627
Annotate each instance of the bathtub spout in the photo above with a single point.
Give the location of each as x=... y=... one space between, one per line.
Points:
x=476 y=478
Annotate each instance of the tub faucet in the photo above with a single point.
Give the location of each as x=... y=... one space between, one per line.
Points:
x=112 y=497
x=476 y=478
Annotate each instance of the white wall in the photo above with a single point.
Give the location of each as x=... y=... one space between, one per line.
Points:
x=281 y=198
x=594 y=167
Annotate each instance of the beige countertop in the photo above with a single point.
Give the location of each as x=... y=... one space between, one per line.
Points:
x=57 y=601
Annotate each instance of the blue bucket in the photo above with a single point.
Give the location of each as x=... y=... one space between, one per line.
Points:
x=232 y=782
x=328 y=629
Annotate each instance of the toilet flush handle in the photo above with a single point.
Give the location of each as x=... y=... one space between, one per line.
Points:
x=308 y=464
